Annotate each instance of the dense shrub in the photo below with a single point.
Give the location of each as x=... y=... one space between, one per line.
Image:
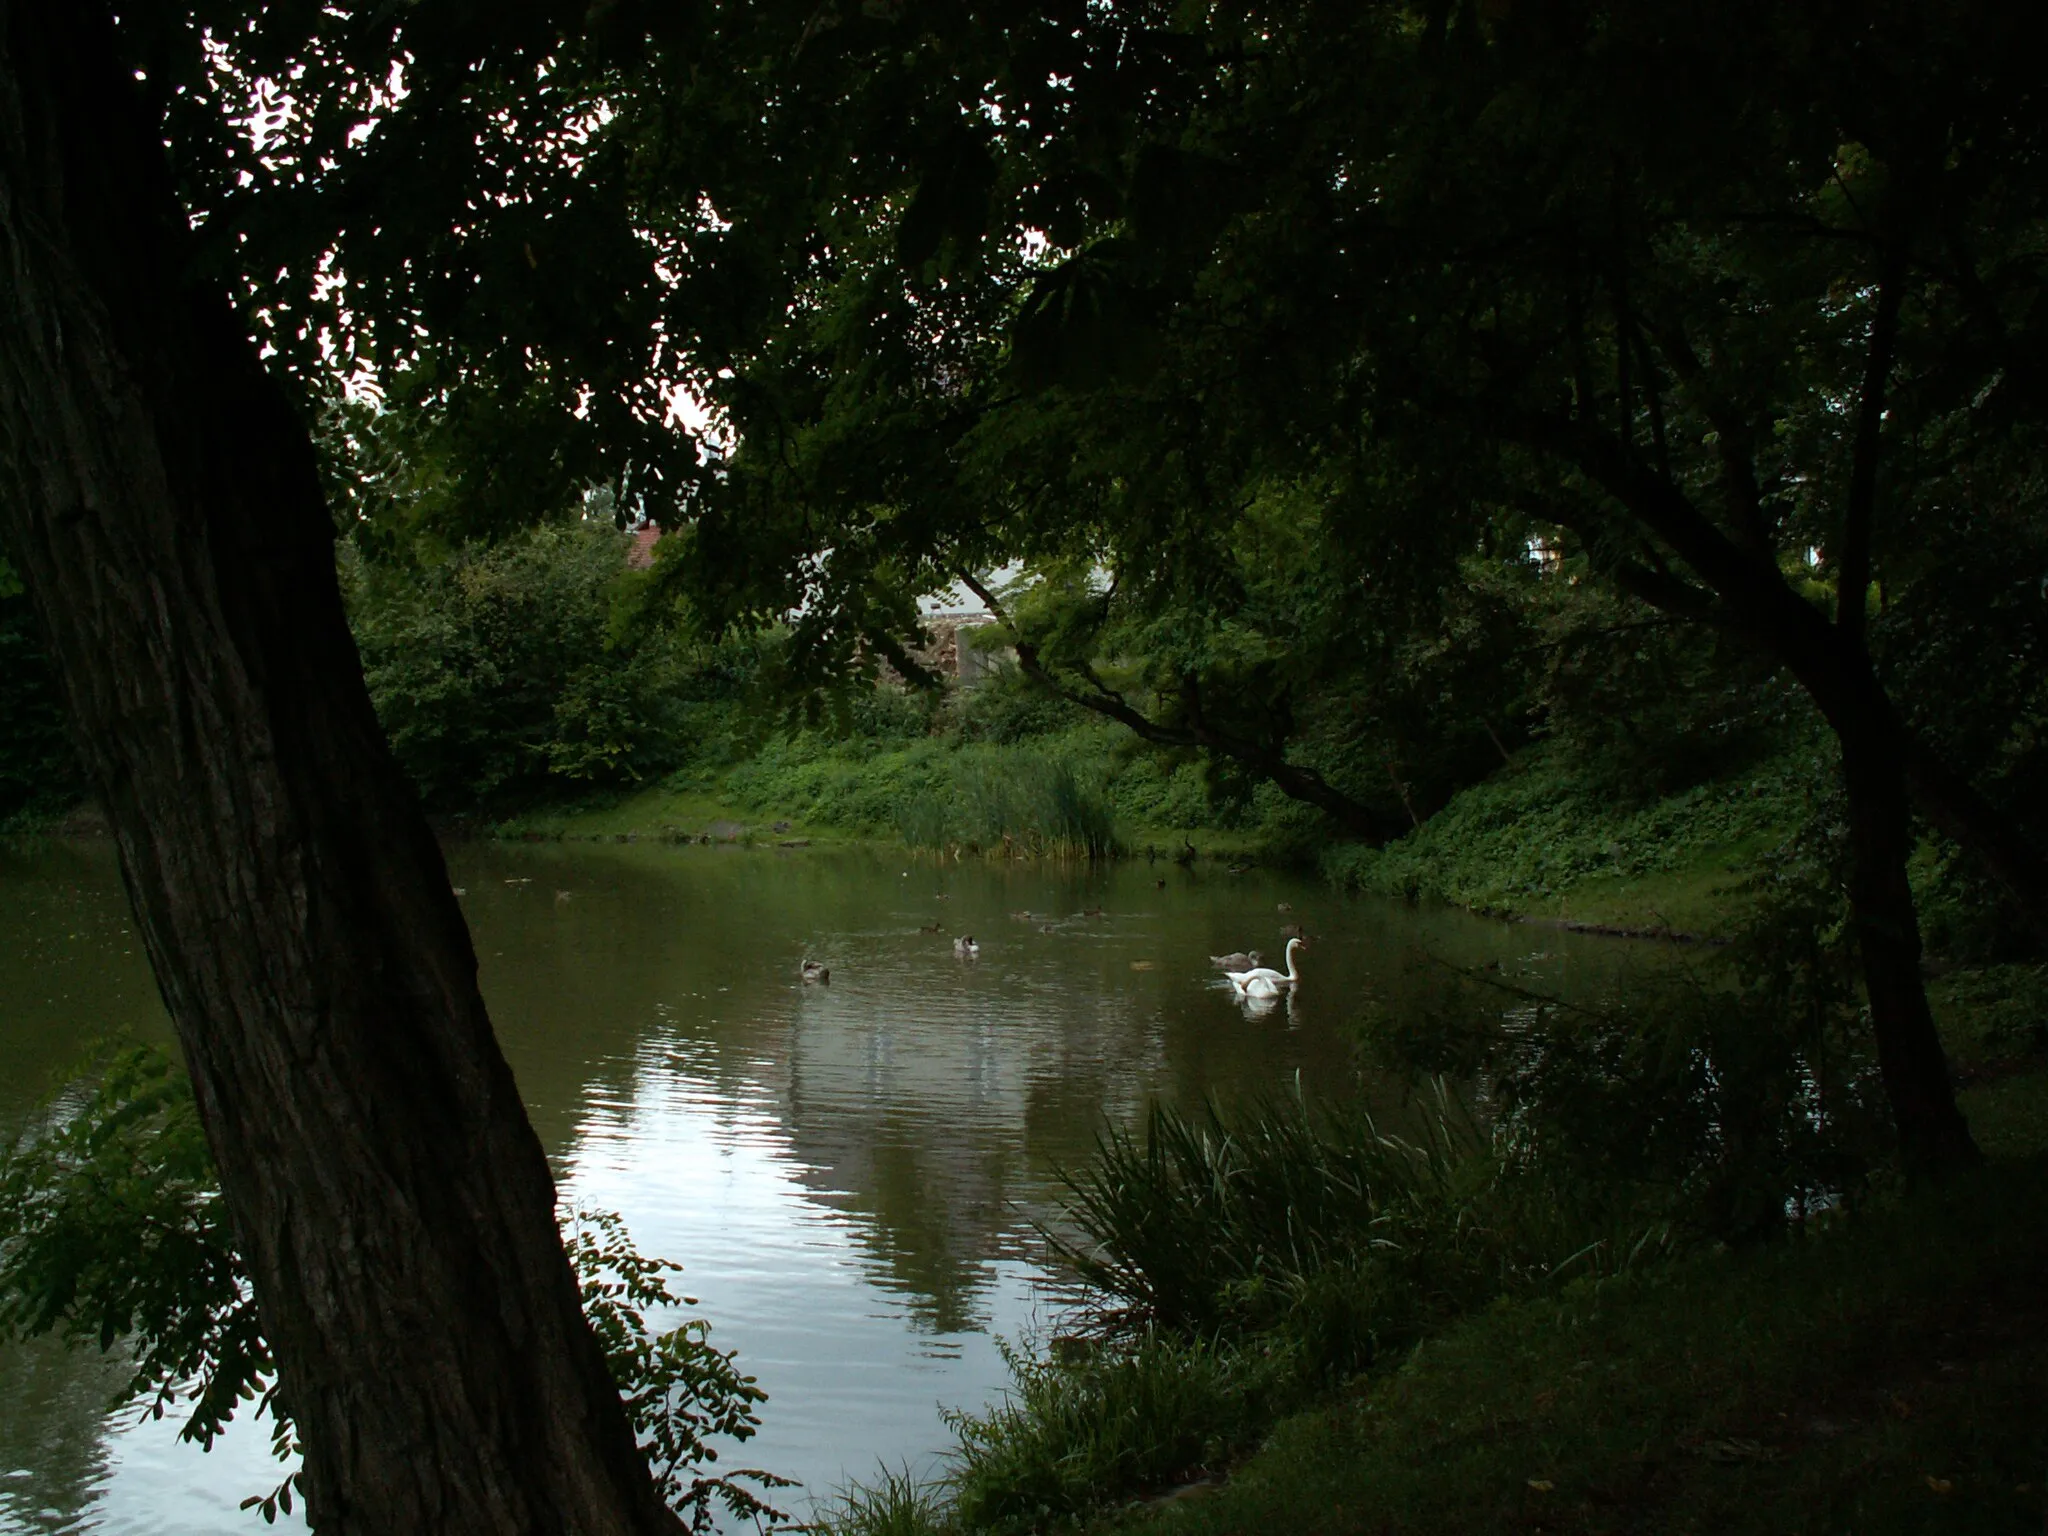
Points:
x=1006 y=707
x=1637 y=706
x=496 y=671
x=855 y=784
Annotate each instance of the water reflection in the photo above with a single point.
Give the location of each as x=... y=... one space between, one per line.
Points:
x=50 y=1417
x=849 y=1172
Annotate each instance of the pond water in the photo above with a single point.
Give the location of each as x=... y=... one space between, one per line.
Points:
x=849 y=1173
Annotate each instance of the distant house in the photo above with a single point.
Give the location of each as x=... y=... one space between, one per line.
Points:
x=641 y=555
x=947 y=617
x=949 y=654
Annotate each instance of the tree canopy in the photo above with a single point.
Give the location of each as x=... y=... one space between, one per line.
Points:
x=1276 y=338
x=1261 y=323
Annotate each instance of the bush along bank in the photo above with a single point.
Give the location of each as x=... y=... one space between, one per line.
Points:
x=526 y=688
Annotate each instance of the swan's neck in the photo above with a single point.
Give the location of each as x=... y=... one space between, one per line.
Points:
x=1291 y=943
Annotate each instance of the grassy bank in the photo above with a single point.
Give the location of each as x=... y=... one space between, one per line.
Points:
x=1880 y=1375
x=1538 y=841
x=1084 y=789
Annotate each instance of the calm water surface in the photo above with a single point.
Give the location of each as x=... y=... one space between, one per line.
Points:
x=849 y=1174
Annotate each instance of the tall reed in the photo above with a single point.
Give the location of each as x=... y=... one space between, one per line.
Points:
x=1033 y=804
x=1307 y=1225
x=1156 y=1412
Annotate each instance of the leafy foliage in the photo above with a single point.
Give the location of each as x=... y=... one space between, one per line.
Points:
x=1536 y=830
x=496 y=671
x=114 y=1234
x=679 y=1391
x=1635 y=707
x=1144 y=1416
x=2004 y=1009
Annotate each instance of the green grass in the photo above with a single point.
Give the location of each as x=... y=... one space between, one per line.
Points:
x=1695 y=894
x=1140 y=1417
x=1883 y=1376
x=661 y=810
x=1077 y=792
x=894 y=1504
x=1534 y=841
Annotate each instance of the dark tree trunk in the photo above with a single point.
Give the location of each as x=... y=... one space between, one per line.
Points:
x=1933 y=1136
x=387 y=1191
x=1836 y=670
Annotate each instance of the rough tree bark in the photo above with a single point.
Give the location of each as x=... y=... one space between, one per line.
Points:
x=386 y=1188
x=1932 y=1130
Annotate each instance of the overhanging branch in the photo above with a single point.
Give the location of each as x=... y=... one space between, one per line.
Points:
x=1292 y=779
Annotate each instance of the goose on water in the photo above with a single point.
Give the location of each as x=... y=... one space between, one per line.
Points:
x=816 y=973
x=1243 y=960
x=965 y=947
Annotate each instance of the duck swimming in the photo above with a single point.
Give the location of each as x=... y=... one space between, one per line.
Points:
x=965 y=947
x=1242 y=960
x=816 y=974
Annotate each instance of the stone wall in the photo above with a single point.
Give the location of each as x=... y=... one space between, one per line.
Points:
x=948 y=656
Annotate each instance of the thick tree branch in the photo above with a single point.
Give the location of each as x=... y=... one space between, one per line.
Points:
x=1833 y=667
x=1292 y=779
x=1734 y=444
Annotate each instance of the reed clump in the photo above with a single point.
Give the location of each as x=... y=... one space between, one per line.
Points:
x=1314 y=1237
x=1155 y=1411
x=1228 y=1269
x=1017 y=802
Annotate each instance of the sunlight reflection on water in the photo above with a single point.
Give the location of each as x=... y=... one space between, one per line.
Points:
x=850 y=1173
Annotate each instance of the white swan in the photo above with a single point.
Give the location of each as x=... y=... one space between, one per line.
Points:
x=1267 y=982
x=1259 y=1004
